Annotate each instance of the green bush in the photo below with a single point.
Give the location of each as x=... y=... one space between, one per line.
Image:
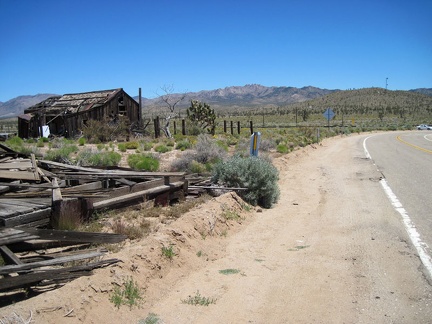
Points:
x=169 y=143
x=207 y=150
x=145 y=162
x=196 y=167
x=282 y=148
x=104 y=159
x=62 y=154
x=162 y=148
x=40 y=142
x=15 y=143
x=222 y=145
x=145 y=145
x=183 y=145
x=207 y=153
x=81 y=141
x=254 y=173
x=122 y=147
x=131 y=145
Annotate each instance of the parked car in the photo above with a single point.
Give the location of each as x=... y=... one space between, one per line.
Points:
x=424 y=126
x=4 y=137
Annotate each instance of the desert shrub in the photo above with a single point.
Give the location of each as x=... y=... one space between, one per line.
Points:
x=122 y=147
x=196 y=167
x=183 y=163
x=14 y=143
x=145 y=145
x=243 y=148
x=40 y=142
x=97 y=131
x=222 y=144
x=61 y=154
x=169 y=142
x=17 y=144
x=206 y=153
x=232 y=140
x=267 y=145
x=183 y=145
x=131 y=145
x=207 y=150
x=254 y=173
x=161 y=148
x=132 y=232
x=61 y=142
x=81 y=141
x=145 y=162
x=101 y=159
x=282 y=148
x=195 y=130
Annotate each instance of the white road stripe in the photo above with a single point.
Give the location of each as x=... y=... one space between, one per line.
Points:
x=421 y=247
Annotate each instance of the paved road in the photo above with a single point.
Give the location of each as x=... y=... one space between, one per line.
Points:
x=405 y=160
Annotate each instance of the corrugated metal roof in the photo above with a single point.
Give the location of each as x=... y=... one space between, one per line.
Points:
x=75 y=102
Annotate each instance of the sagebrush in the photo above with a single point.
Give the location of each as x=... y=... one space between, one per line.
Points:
x=258 y=175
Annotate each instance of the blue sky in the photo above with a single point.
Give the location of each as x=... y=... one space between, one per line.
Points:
x=64 y=46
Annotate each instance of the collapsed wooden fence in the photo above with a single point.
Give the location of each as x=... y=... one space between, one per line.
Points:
x=37 y=196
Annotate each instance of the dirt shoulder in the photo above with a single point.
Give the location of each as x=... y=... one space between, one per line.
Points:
x=332 y=251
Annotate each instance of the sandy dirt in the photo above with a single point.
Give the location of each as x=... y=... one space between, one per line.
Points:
x=332 y=250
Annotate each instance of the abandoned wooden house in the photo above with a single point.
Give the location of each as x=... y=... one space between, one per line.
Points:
x=66 y=115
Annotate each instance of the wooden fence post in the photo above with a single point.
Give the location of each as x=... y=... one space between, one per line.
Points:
x=156 y=127
x=183 y=127
x=225 y=126
x=251 y=127
x=232 y=127
x=238 y=127
x=175 y=128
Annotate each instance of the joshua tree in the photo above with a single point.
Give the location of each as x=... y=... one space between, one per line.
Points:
x=202 y=116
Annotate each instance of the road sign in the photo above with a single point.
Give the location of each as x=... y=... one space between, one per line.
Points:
x=329 y=114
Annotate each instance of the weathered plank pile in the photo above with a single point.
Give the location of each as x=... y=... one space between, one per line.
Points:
x=38 y=196
x=40 y=193
x=37 y=266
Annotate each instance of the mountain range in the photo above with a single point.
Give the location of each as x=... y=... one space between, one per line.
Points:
x=251 y=95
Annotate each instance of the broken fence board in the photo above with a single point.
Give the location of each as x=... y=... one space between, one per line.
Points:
x=52 y=275
x=139 y=195
x=77 y=237
x=61 y=260
x=16 y=165
x=123 y=173
x=28 y=202
x=23 y=175
x=41 y=215
x=17 y=238
x=8 y=255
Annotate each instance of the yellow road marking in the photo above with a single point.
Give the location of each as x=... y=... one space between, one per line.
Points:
x=415 y=146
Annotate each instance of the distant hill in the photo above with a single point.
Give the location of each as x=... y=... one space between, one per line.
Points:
x=250 y=95
x=16 y=106
x=426 y=91
x=371 y=99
